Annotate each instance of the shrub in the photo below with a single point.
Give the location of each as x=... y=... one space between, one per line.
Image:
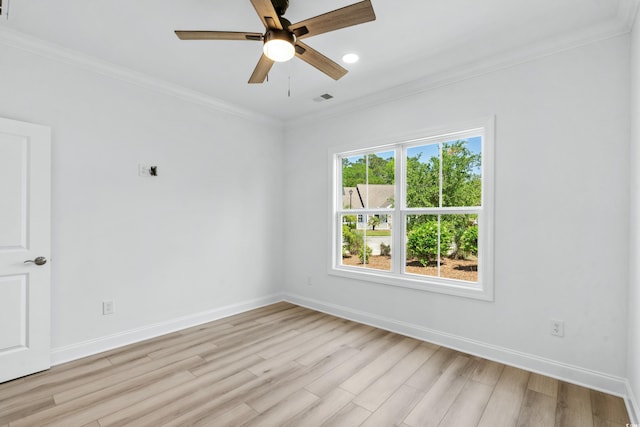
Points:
x=422 y=241
x=364 y=257
x=385 y=250
x=469 y=240
x=349 y=240
x=350 y=220
x=353 y=244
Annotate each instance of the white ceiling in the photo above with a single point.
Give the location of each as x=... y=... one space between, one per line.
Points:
x=411 y=40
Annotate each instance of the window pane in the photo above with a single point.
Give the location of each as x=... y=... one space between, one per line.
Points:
x=368 y=181
x=461 y=172
x=423 y=176
x=443 y=246
x=366 y=241
x=459 y=247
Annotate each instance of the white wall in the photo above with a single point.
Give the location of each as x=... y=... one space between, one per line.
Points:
x=562 y=183
x=205 y=234
x=633 y=356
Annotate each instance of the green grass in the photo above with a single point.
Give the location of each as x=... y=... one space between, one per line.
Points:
x=374 y=232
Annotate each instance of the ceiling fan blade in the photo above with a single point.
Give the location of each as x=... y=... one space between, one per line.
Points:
x=318 y=60
x=261 y=70
x=217 y=35
x=348 y=16
x=267 y=14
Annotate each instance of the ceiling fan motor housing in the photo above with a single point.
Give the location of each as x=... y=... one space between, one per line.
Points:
x=273 y=34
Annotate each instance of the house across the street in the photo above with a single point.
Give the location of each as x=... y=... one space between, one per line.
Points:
x=369 y=196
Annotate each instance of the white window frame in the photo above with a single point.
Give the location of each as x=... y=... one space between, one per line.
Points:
x=483 y=289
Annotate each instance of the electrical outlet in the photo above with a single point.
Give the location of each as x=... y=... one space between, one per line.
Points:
x=557 y=328
x=309 y=282
x=107 y=307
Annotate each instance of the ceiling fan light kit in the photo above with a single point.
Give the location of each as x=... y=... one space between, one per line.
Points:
x=279 y=45
x=282 y=40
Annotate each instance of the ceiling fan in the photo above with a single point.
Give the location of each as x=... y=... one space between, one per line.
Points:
x=282 y=38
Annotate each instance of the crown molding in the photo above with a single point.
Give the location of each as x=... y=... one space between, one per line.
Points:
x=461 y=72
x=45 y=49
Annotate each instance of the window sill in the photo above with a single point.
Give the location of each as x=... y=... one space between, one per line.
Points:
x=441 y=286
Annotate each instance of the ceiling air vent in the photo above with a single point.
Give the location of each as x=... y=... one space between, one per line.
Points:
x=324 y=97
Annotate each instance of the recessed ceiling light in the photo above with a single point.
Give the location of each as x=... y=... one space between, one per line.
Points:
x=350 y=58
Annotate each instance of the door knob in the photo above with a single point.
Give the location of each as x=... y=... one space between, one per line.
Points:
x=38 y=261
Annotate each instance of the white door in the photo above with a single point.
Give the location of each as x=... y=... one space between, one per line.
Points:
x=25 y=234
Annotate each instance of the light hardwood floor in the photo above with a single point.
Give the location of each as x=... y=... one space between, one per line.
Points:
x=284 y=365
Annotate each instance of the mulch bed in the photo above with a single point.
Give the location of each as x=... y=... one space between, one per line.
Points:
x=461 y=269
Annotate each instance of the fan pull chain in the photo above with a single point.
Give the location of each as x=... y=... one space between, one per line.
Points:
x=290 y=66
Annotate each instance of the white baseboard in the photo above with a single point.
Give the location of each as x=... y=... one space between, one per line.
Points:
x=632 y=405
x=574 y=374
x=98 y=345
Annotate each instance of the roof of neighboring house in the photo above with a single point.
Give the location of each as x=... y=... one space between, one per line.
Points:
x=370 y=196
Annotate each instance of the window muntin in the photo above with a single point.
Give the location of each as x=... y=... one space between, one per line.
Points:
x=443 y=180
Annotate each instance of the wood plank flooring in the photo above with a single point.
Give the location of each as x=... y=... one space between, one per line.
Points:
x=284 y=365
